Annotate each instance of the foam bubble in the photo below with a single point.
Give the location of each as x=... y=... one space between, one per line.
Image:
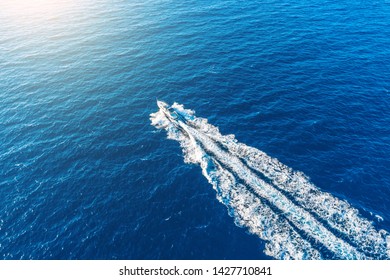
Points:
x=271 y=200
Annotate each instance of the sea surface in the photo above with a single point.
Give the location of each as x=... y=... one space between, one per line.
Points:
x=84 y=174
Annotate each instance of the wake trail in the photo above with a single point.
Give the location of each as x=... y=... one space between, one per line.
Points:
x=286 y=209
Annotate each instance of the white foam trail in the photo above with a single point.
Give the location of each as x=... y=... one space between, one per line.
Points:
x=274 y=202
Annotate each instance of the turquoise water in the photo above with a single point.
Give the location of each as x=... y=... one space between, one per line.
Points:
x=83 y=174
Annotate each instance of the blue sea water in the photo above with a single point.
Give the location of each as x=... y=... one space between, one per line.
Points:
x=83 y=174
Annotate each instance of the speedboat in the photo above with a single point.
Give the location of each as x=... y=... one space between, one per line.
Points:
x=164 y=107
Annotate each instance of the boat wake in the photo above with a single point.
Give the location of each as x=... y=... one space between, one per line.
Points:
x=278 y=204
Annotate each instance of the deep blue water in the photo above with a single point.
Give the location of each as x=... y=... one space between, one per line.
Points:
x=83 y=174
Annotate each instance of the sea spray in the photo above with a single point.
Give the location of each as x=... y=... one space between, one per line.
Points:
x=271 y=200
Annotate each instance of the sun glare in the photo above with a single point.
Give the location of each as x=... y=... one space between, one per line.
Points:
x=32 y=8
